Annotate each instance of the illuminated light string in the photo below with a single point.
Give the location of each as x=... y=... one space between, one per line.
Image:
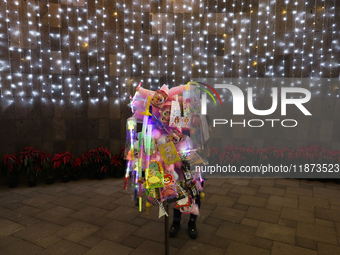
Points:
x=206 y=48
x=40 y=78
x=215 y=47
x=60 y=61
x=296 y=18
x=160 y=41
x=333 y=63
x=175 y=45
x=132 y=47
x=29 y=57
x=271 y=70
x=267 y=53
x=90 y=80
x=205 y=35
x=10 y=48
x=96 y=49
x=303 y=40
x=256 y=62
x=20 y=50
x=166 y=42
x=115 y=51
x=233 y=42
x=183 y=46
x=323 y=31
x=285 y=50
x=69 y=80
x=241 y=41
x=249 y=41
x=151 y=71
x=50 y=53
x=313 y=44
x=78 y=59
x=142 y=49
x=103 y=58
x=126 y=40
x=274 y=43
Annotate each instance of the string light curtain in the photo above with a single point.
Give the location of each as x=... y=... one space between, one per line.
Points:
x=91 y=50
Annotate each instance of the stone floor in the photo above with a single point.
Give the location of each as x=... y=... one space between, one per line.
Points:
x=238 y=216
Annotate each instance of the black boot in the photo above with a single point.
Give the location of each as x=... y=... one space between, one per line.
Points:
x=175 y=227
x=192 y=229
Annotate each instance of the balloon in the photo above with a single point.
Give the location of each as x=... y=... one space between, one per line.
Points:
x=156 y=133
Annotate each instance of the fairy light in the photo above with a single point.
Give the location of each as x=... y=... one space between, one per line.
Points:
x=10 y=76
x=96 y=50
x=332 y=15
x=50 y=84
x=267 y=53
x=182 y=46
x=20 y=50
x=313 y=44
x=274 y=43
x=29 y=58
x=241 y=41
x=254 y=49
x=134 y=52
x=160 y=41
x=322 y=39
x=192 y=21
x=40 y=54
x=200 y=59
x=215 y=45
x=295 y=17
x=285 y=50
x=256 y=62
x=87 y=45
x=152 y=19
x=106 y=84
x=116 y=16
x=233 y=43
x=58 y=17
x=205 y=55
x=123 y=57
x=67 y=39
x=303 y=41
x=168 y=27
x=77 y=57
x=249 y=41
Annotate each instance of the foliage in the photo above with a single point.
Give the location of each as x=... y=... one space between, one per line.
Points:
x=9 y=166
x=118 y=165
x=76 y=167
x=97 y=161
x=30 y=162
x=62 y=162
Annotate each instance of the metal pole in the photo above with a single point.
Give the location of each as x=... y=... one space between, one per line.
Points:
x=166 y=230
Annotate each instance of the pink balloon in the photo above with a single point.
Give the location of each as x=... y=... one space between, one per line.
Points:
x=177 y=90
x=178 y=164
x=182 y=146
x=170 y=168
x=158 y=157
x=156 y=134
x=143 y=93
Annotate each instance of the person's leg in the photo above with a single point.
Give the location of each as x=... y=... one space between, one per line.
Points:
x=192 y=229
x=176 y=224
x=177 y=214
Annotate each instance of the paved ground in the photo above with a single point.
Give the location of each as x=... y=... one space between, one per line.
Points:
x=238 y=216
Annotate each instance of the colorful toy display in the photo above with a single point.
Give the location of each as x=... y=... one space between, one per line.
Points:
x=159 y=156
